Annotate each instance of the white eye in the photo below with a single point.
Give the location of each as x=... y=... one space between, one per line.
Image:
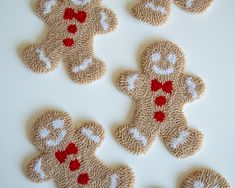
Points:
x=171 y=58
x=58 y=124
x=80 y=2
x=156 y=57
x=43 y=133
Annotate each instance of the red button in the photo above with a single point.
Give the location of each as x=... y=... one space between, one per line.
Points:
x=83 y=179
x=72 y=28
x=160 y=101
x=159 y=116
x=68 y=42
x=74 y=165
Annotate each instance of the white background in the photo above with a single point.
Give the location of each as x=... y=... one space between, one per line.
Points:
x=208 y=41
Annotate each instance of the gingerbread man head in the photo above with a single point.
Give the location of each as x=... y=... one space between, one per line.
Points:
x=72 y=26
x=160 y=91
x=68 y=155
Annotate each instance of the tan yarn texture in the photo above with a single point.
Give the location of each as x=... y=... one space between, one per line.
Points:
x=139 y=134
x=82 y=66
x=205 y=178
x=156 y=12
x=48 y=138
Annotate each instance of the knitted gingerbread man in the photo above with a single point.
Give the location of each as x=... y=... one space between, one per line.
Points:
x=160 y=92
x=156 y=12
x=68 y=156
x=72 y=26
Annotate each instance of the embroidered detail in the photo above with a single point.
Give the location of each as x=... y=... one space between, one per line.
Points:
x=189 y=3
x=172 y=58
x=131 y=80
x=57 y=141
x=113 y=181
x=80 y=2
x=48 y=6
x=43 y=133
x=192 y=87
x=72 y=28
x=58 y=124
x=68 y=42
x=155 y=57
x=90 y=135
x=70 y=14
x=138 y=136
x=166 y=87
x=155 y=8
x=86 y=63
x=43 y=58
x=103 y=20
x=83 y=179
x=160 y=71
x=38 y=169
x=198 y=184
x=159 y=116
x=74 y=165
x=62 y=155
x=183 y=135
x=160 y=101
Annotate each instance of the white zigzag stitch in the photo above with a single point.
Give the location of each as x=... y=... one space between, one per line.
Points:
x=138 y=136
x=131 y=81
x=80 y=2
x=58 y=140
x=58 y=124
x=192 y=87
x=48 y=6
x=38 y=169
x=43 y=133
x=155 y=8
x=183 y=135
x=90 y=135
x=103 y=20
x=113 y=181
x=43 y=58
x=189 y=3
x=198 y=184
x=86 y=63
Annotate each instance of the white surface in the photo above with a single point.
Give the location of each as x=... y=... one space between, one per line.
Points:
x=208 y=41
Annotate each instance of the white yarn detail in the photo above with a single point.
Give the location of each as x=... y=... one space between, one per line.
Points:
x=80 y=2
x=43 y=133
x=86 y=63
x=58 y=124
x=155 y=57
x=103 y=20
x=192 y=87
x=189 y=3
x=58 y=140
x=198 y=184
x=43 y=58
x=160 y=71
x=172 y=58
x=38 y=169
x=215 y=186
x=113 y=181
x=155 y=8
x=48 y=6
x=90 y=135
x=138 y=136
x=183 y=135
x=131 y=80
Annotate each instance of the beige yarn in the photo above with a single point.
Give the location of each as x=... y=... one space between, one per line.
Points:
x=98 y=21
x=174 y=130
x=48 y=127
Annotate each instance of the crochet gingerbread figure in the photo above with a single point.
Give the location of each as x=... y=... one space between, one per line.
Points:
x=156 y=12
x=160 y=92
x=68 y=155
x=72 y=26
x=205 y=178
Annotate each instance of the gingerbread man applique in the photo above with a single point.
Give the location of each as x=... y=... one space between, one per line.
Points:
x=160 y=92
x=68 y=155
x=72 y=26
x=156 y=12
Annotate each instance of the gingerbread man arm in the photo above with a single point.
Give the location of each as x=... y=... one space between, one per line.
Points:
x=192 y=87
x=132 y=84
x=90 y=136
x=45 y=9
x=104 y=20
x=40 y=169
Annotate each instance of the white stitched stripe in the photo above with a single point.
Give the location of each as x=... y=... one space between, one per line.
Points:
x=189 y=3
x=38 y=169
x=113 y=181
x=103 y=20
x=48 y=6
x=192 y=87
x=155 y=8
x=172 y=58
x=198 y=184
x=43 y=58
x=80 y=2
x=183 y=135
x=58 y=124
x=131 y=80
x=83 y=66
x=43 y=133
x=90 y=135
x=138 y=136
x=57 y=141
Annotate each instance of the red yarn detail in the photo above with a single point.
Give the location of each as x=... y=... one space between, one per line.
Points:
x=83 y=179
x=80 y=16
x=72 y=28
x=155 y=85
x=159 y=116
x=62 y=155
x=160 y=101
x=69 y=14
x=74 y=165
x=166 y=87
x=68 y=42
